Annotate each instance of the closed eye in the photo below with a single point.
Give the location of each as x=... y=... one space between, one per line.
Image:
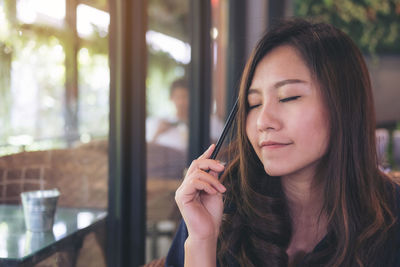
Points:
x=289 y=99
x=254 y=106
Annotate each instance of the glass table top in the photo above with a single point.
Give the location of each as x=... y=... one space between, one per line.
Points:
x=18 y=244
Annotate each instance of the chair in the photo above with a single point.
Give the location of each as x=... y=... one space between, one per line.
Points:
x=165 y=162
x=79 y=173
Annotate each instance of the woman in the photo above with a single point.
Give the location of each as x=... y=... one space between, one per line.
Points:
x=305 y=188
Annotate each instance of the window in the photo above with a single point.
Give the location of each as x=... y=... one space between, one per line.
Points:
x=54 y=74
x=54 y=109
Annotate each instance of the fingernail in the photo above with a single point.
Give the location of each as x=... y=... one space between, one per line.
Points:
x=223 y=189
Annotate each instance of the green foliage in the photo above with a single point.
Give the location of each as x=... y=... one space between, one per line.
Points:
x=373 y=24
x=34 y=105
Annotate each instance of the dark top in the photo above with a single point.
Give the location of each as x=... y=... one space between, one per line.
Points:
x=175 y=257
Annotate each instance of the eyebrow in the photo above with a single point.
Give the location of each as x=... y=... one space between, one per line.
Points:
x=277 y=85
x=288 y=81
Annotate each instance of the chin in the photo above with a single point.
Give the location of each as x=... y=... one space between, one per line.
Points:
x=274 y=171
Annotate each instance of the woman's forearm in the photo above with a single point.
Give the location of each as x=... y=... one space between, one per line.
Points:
x=202 y=253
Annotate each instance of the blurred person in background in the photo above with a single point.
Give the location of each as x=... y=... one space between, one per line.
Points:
x=174 y=131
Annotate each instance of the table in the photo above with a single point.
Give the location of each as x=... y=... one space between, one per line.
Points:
x=19 y=247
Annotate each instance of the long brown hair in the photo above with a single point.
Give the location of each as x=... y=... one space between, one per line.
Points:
x=359 y=199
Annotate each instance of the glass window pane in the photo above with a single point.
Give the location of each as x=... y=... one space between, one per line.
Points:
x=41 y=11
x=91 y=20
x=34 y=103
x=94 y=84
x=167 y=133
x=53 y=83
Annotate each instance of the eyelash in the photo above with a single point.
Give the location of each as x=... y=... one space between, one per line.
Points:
x=289 y=99
x=254 y=106
x=284 y=100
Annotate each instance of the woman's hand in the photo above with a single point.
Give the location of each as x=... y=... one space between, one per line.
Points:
x=199 y=198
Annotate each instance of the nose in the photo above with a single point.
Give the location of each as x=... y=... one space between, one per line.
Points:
x=268 y=119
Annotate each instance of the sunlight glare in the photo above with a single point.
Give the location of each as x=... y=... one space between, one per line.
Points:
x=83 y=55
x=59 y=230
x=84 y=219
x=3 y=24
x=88 y=18
x=178 y=49
x=30 y=11
x=3 y=240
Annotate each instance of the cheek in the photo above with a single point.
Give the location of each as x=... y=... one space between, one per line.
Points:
x=313 y=129
x=252 y=133
x=251 y=128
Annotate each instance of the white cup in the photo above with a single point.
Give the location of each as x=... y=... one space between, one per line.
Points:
x=39 y=209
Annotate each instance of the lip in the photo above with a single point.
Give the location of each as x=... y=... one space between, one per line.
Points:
x=273 y=144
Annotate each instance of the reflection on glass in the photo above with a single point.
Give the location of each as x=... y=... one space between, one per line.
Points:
x=90 y=20
x=84 y=219
x=16 y=242
x=214 y=33
x=59 y=229
x=35 y=240
x=3 y=240
x=21 y=245
x=42 y=11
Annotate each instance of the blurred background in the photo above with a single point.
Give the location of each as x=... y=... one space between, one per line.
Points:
x=56 y=87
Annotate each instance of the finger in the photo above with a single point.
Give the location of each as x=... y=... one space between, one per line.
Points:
x=215 y=174
x=189 y=191
x=210 y=164
x=210 y=179
x=201 y=185
x=205 y=164
x=187 y=187
x=208 y=152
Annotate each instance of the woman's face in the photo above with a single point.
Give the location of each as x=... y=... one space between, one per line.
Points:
x=287 y=123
